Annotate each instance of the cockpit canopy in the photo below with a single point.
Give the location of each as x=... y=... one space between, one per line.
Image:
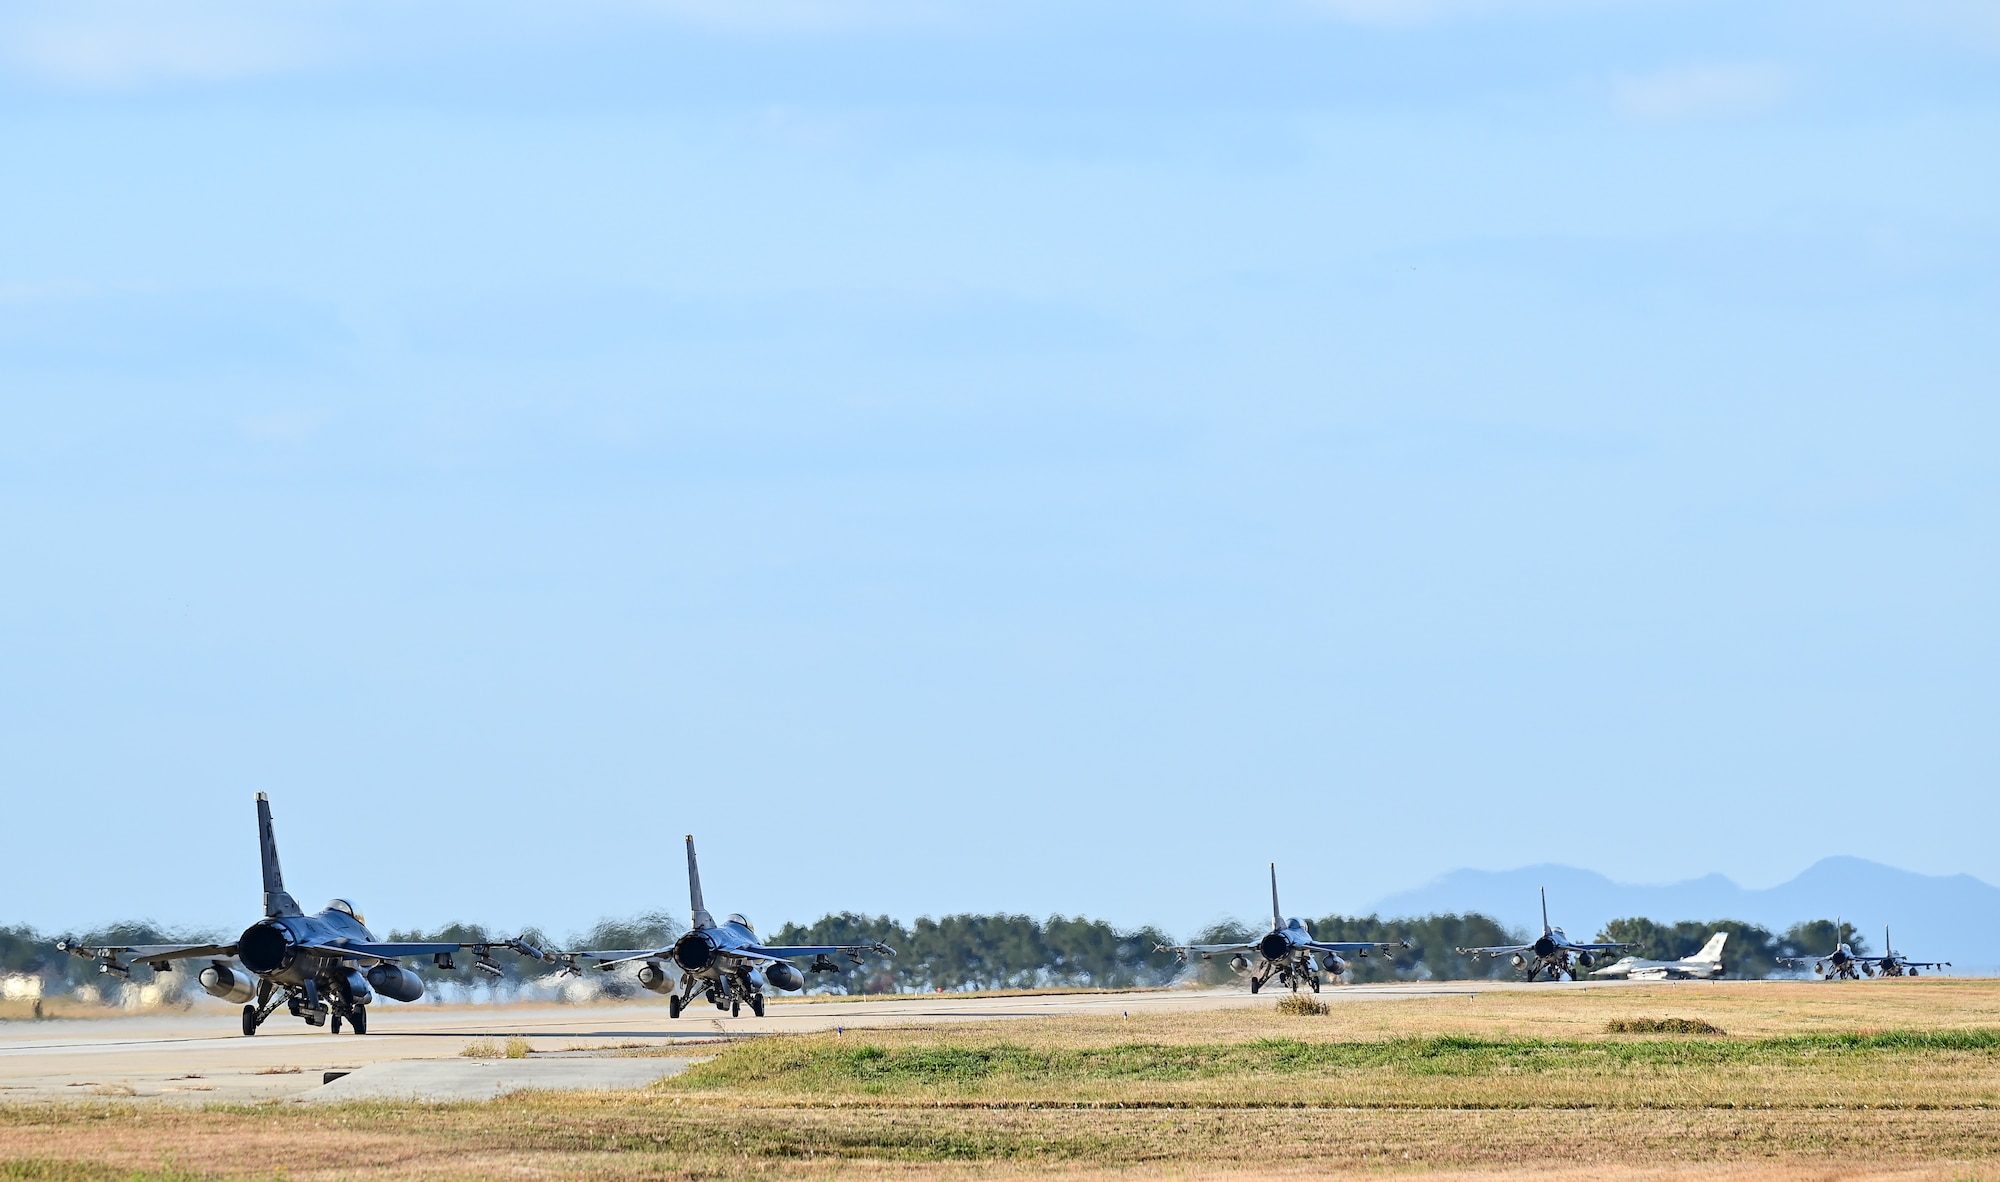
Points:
x=735 y=918
x=1296 y=924
x=348 y=908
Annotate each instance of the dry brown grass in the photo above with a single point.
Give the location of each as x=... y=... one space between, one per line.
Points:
x=1502 y=1084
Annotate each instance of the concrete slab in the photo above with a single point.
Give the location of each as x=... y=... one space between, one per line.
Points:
x=437 y=1080
x=197 y=1056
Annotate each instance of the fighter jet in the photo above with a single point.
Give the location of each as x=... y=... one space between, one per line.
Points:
x=1554 y=953
x=1287 y=951
x=1841 y=963
x=723 y=962
x=324 y=967
x=1705 y=965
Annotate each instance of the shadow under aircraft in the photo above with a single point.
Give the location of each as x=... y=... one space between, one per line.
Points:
x=324 y=967
x=1287 y=951
x=1843 y=964
x=723 y=962
x=1553 y=952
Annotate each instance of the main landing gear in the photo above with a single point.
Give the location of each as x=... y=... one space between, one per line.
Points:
x=357 y=1017
x=723 y=996
x=269 y=998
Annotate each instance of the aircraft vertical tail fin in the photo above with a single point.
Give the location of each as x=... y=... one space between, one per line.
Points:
x=1545 y=911
x=276 y=901
x=1711 y=951
x=1277 y=920
x=700 y=917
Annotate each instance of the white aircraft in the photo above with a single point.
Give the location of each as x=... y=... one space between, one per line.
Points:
x=1705 y=965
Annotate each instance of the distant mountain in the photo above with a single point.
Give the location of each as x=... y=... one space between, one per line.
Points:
x=1955 y=918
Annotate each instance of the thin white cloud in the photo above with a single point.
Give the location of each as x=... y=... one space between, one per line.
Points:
x=125 y=44
x=1705 y=91
x=115 y=44
x=1406 y=13
x=1964 y=22
x=801 y=16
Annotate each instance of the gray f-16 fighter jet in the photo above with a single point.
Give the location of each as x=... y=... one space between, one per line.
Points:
x=1553 y=953
x=1287 y=951
x=1705 y=965
x=1842 y=963
x=319 y=967
x=723 y=962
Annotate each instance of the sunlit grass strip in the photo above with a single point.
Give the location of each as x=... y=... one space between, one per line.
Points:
x=850 y=1060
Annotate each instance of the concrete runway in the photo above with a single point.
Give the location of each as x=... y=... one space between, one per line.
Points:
x=198 y=1054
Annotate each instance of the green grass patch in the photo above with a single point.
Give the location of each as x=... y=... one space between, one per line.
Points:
x=1663 y=1026
x=824 y=1064
x=45 y=1169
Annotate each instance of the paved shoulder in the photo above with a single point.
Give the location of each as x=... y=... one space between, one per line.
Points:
x=483 y=1079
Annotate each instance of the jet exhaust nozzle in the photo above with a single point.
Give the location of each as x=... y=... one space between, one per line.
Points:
x=694 y=952
x=654 y=976
x=1273 y=946
x=264 y=947
x=1545 y=947
x=395 y=981
x=784 y=976
x=231 y=985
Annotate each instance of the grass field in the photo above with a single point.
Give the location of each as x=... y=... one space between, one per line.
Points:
x=1892 y=1078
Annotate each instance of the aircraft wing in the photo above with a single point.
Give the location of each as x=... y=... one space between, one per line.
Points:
x=853 y=952
x=1205 y=951
x=381 y=951
x=1504 y=950
x=1599 y=947
x=608 y=958
x=1363 y=946
x=149 y=954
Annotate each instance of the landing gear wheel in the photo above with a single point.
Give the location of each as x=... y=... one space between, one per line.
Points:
x=336 y=1023
x=249 y=1021
x=757 y=1005
x=1315 y=982
x=1255 y=984
x=359 y=1019
x=673 y=1007
x=735 y=1008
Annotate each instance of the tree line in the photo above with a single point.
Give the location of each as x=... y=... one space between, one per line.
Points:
x=973 y=951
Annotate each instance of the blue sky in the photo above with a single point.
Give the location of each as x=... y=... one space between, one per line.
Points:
x=1039 y=457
